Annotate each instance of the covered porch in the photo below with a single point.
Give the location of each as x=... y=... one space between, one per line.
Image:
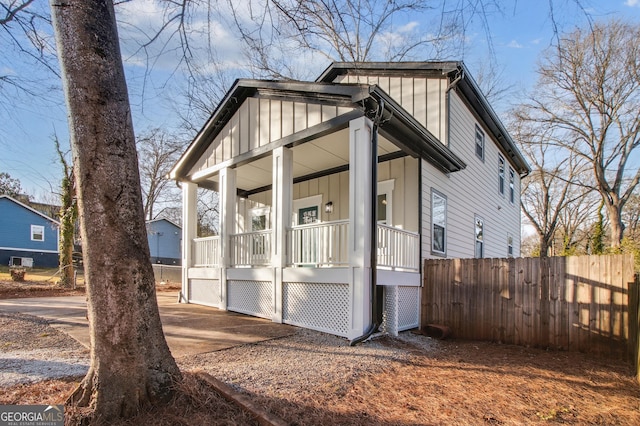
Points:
x=319 y=209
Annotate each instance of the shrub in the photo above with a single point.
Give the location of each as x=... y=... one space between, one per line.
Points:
x=17 y=274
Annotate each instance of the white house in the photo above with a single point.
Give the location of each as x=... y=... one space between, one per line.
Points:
x=333 y=192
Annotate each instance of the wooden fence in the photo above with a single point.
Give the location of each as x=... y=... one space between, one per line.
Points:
x=582 y=303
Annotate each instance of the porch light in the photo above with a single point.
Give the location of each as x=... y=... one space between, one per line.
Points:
x=328 y=208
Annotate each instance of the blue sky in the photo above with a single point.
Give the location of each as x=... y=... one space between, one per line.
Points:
x=518 y=35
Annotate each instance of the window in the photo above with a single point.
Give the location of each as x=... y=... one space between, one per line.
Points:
x=501 y=175
x=509 y=245
x=479 y=143
x=479 y=234
x=438 y=223
x=512 y=185
x=37 y=233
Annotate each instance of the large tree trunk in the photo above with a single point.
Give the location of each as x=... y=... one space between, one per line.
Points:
x=616 y=227
x=131 y=364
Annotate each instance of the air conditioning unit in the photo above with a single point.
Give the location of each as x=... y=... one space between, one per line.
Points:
x=26 y=262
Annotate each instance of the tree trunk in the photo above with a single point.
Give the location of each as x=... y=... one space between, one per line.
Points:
x=544 y=246
x=616 y=226
x=131 y=365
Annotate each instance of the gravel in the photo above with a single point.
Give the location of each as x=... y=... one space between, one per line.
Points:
x=31 y=350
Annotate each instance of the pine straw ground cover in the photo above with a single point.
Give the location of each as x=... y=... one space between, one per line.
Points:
x=459 y=383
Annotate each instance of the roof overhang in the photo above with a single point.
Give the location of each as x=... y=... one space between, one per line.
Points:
x=399 y=126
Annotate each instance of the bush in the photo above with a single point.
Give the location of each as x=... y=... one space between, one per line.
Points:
x=17 y=274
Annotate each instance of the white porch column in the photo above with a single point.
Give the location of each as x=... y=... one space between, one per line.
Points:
x=227 y=226
x=360 y=187
x=281 y=221
x=189 y=232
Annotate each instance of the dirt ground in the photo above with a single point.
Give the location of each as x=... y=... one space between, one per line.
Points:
x=458 y=383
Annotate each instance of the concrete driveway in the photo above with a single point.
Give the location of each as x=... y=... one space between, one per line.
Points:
x=189 y=329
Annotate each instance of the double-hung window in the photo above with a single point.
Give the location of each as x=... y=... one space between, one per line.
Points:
x=37 y=233
x=509 y=245
x=479 y=235
x=479 y=143
x=512 y=185
x=501 y=175
x=438 y=223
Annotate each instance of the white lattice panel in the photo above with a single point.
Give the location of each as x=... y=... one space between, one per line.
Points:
x=401 y=309
x=408 y=308
x=204 y=292
x=390 y=313
x=318 y=306
x=250 y=297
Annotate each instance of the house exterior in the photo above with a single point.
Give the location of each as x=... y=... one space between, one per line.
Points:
x=27 y=237
x=333 y=192
x=165 y=241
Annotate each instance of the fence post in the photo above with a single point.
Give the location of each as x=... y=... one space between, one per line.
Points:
x=544 y=302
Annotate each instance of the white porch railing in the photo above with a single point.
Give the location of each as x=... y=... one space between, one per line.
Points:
x=251 y=249
x=206 y=251
x=398 y=249
x=319 y=244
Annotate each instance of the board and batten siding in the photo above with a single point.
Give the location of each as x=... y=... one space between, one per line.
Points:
x=335 y=188
x=422 y=97
x=470 y=192
x=260 y=121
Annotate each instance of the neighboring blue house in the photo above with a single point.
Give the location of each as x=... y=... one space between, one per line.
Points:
x=164 y=241
x=26 y=235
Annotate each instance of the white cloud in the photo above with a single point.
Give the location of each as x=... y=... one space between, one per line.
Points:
x=536 y=41
x=515 y=45
x=632 y=3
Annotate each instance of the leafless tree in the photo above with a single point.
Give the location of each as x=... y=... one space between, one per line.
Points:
x=549 y=189
x=157 y=153
x=589 y=90
x=130 y=363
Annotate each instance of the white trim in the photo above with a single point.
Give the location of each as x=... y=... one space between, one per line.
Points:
x=31 y=209
x=29 y=250
x=148 y=222
x=303 y=203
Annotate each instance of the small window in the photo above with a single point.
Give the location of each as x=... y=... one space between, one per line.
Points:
x=479 y=234
x=479 y=143
x=509 y=245
x=37 y=233
x=501 y=175
x=439 y=223
x=512 y=185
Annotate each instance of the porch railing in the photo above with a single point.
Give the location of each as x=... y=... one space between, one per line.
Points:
x=206 y=251
x=398 y=249
x=319 y=244
x=251 y=249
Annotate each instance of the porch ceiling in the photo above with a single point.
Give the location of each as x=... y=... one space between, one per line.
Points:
x=324 y=153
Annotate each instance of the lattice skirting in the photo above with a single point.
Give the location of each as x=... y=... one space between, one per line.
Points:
x=401 y=309
x=318 y=306
x=204 y=292
x=250 y=297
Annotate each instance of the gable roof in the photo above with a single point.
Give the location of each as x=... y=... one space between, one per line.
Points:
x=149 y=222
x=401 y=128
x=459 y=79
x=30 y=209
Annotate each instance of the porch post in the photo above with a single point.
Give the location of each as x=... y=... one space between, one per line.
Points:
x=281 y=221
x=189 y=232
x=360 y=185
x=227 y=226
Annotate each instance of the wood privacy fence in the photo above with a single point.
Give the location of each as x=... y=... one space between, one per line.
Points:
x=582 y=303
